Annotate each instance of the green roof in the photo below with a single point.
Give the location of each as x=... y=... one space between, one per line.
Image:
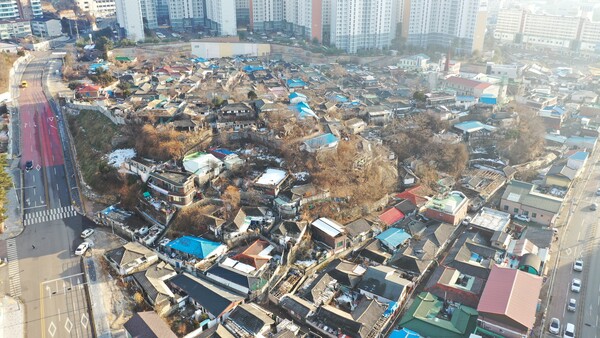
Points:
x=422 y=317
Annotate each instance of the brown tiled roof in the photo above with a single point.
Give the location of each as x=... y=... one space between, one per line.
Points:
x=148 y=325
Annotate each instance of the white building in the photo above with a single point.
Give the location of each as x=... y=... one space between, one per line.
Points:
x=46 y=27
x=14 y=29
x=414 y=62
x=9 y=9
x=149 y=13
x=509 y=24
x=129 y=17
x=36 y=8
x=459 y=24
x=221 y=16
x=590 y=36
x=361 y=24
x=266 y=15
x=184 y=14
x=97 y=8
x=552 y=31
x=305 y=18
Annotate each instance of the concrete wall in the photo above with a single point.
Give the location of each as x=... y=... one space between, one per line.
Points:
x=118 y=120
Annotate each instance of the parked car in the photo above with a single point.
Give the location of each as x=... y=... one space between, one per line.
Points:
x=523 y=218
x=87 y=233
x=554 y=326
x=576 y=285
x=578 y=265
x=598 y=192
x=572 y=305
x=28 y=165
x=569 y=331
x=82 y=248
x=594 y=206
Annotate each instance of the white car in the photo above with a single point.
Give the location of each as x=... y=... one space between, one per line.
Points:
x=160 y=35
x=598 y=192
x=576 y=285
x=578 y=265
x=523 y=218
x=554 y=326
x=82 y=248
x=572 y=305
x=87 y=233
x=569 y=331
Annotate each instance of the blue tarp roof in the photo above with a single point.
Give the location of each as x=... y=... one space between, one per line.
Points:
x=393 y=237
x=251 y=69
x=303 y=110
x=556 y=110
x=472 y=126
x=321 y=140
x=195 y=246
x=295 y=95
x=295 y=83
x=199 y=60
x=224 y=151
x=465 y=98
x=580 y=155
x=404 y=333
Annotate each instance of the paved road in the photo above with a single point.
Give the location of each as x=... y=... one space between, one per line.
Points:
x=579 y=239
x=45 y=274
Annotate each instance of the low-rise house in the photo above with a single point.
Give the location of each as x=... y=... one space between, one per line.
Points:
x=378 y=115
x=152 y=282
x=91 y=92
x=451 y=207
x=356 y=125
x=271 y=181
x=321 y=142
x=384 y=284
x=299 y=308
x=195 y=248
x=553 y=116
x=468 y=87
x=130 y=258
x=235 y=116
x=147 y=324
x=236 y=276
x=376 y=252
x=345 y=273
x=250 y=319
x=393 y=238
x=214 y=301
x=358 y=231
x=288 y=232
x=175 y=187
x=455 y=286
x=391 y=216
x=577 y=160
x=560 y=175
x=203 y=166
x=509 y=303
x=256 y=254
x=296 y=97
x=416 y=195
x=490 y=221
x=582 y=142
x=584 y=96
x=522 y=198
x=472 y=256
x=366 y=319
x=417 y=62
x=329 y=232
x=430 y=316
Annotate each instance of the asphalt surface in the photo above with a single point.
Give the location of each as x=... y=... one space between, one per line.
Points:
x=579 y=239
x=49 y=281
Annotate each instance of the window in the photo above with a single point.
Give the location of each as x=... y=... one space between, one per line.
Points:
x=526 y=213
x=533 y=214
x=506 y=208
x=340 y=244
x=516 y=210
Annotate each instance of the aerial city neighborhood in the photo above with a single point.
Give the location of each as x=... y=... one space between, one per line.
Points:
x=287 y=168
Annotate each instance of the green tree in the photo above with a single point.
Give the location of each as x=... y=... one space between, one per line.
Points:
x=104 y=44
x=252 y=95
x=419 y=96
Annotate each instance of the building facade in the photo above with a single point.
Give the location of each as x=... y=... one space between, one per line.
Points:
x=46 y=27
x=97 y=8
x=221 y=17
x=186 y=14
x=129 y=17
x=360 y=24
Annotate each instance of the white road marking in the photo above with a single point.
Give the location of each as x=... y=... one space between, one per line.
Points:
x=578 y=235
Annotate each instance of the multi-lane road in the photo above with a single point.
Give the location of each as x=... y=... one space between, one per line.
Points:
x=579 y=238
x=43 y=270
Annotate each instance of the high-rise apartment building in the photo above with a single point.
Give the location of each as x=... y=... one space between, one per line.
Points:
x=220 y=16
x=360 y=24
x=242 y=12
x=162 y=12
x=129 y=17
x=457 y=24
x=550 y=31
x=148 y=8
x=9 y=9
x=186 y=14
x=97 y=8
x=304 y=18
x=266 y=15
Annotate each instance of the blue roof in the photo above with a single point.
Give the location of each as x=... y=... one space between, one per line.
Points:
x=580 y=155
x=472 y=126
x=195 y=246
x=555 y=138
x=556 y=110
x=295 y=83
x=339 y=98
x=404 y=333
x=251 y=69
x=224 y=151
x=303 y=110
x=199 y=60
x=582 y=139
x=465 y=98
x=321 y=140
x=393 y=237
x=295 y=95
x=488 y=99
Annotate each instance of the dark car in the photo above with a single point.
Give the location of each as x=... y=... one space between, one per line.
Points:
x=28 y=165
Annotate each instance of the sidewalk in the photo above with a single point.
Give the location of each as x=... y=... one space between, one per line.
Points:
x=12 y=318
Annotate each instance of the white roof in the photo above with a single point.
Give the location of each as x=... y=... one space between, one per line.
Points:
x=331 y=228
x=198 y=163
x=272 y=177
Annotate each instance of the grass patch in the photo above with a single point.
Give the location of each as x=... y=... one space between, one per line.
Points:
x=6 y=62
x=93 y=134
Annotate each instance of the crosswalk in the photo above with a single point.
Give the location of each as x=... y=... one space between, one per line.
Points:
x=49 y=215
x=14 y=279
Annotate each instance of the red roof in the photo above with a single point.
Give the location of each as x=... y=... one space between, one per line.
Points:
x=511 y=293
x=467 y=82
x=416 y=195
x=88 y=88
x=391 y=216
x=251 y=255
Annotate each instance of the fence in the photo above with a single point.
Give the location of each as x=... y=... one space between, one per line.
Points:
x=118 y=120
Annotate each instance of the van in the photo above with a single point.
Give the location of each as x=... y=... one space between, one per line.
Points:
x=569 y=331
